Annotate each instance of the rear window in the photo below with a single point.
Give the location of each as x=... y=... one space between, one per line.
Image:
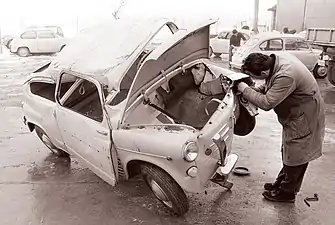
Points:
x=44 y=90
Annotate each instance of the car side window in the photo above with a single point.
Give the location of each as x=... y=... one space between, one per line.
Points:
x=29 y=35
x=46 y=34
x=44 y=90
x=296 y=45
x=302 y=45
x=291 y=44
x=272 y=45
x=81 y=96
x=224 y=35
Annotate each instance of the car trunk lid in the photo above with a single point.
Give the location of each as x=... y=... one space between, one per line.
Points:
x=184 y=47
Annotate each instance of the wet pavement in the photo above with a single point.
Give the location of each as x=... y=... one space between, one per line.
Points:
x=39 y=188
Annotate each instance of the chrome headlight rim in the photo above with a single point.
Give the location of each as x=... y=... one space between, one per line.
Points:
x=190 y=151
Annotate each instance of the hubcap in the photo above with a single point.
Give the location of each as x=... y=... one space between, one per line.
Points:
x=23 y=52
x=322 y=71
x=159 y=193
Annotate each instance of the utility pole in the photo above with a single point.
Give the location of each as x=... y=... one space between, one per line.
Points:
x=303 y=26
x=256 y=8
x=77 y=24
x=0 y=42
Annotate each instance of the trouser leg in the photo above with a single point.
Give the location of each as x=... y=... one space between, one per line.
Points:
x=293 y=177
x=230 y=54
x=280 y=177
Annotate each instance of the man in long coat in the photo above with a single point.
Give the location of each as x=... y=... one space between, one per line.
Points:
x=291 y=90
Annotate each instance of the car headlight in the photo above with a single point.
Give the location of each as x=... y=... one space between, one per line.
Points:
x=190 y=151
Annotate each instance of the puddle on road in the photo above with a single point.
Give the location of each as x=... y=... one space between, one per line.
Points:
x=52 y=166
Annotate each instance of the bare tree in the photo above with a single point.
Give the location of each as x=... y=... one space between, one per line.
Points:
x=118 y=9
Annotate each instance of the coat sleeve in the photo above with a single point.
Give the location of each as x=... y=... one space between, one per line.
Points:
x=281 y=87
x=260 y=88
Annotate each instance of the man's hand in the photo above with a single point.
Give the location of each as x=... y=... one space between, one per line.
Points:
x=241 y=86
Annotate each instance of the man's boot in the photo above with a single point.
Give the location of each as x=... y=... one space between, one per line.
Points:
x=271 y=186
x=279 y=196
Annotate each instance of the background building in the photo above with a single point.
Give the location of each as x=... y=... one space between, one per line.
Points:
x=302 y=14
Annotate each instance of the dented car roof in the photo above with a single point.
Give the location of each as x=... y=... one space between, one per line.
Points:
x=109 y=49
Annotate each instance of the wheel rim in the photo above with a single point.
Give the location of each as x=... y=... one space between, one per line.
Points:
x=23 y=52
x=48 y=143
x=322 y=71
x=159 y=192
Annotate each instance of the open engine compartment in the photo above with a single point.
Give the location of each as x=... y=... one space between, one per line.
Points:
x=186 y=98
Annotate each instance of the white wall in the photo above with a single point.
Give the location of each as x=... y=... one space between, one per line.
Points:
x=320 y=13
x=290 y=13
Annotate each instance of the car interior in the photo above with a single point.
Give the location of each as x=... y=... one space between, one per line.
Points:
x=184 y=100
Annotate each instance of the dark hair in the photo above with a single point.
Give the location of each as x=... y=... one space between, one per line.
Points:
x=255 y=63
x=234 y=31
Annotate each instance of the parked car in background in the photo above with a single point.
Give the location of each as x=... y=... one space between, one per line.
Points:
x=268 y=43
x=117 y=106
x=58 y=30
x=37 y=41
x=220 y=43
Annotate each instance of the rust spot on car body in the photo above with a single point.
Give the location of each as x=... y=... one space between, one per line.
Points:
x=173 y=128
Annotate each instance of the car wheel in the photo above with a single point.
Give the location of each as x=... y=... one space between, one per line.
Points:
x=46 y=140
x=165 y=188
x=23 y=51
x=320 y=71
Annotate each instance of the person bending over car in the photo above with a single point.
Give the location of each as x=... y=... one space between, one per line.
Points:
x=291 y=90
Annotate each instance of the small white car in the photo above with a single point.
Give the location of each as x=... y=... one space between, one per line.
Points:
x=269 y=43
x=37 y=41
x=125 y=111
x=220 y=43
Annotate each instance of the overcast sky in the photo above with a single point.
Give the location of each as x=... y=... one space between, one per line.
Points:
x=15 y=15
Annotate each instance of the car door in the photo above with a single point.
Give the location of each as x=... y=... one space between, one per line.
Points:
x=28 y=39
x=47 y=41
x=220 y=44
x=84 y=124
x=39 y=106
x=302 y=51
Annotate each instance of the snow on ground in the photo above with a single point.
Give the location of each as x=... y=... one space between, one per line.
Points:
x=13 y=73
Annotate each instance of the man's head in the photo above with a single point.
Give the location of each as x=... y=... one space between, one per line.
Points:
x=257 y=65
x=234 y=32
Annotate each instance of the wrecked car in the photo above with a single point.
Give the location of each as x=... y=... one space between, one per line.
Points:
x=167 y=113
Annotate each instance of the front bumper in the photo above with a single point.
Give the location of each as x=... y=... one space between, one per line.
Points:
x=222 y=173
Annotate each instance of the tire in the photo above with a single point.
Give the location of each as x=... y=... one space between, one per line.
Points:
x=320 y=72
x=165 y=188
x=47 y=142
x=23 y=51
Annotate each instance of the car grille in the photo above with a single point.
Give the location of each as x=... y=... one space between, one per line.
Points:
x=120 y=169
